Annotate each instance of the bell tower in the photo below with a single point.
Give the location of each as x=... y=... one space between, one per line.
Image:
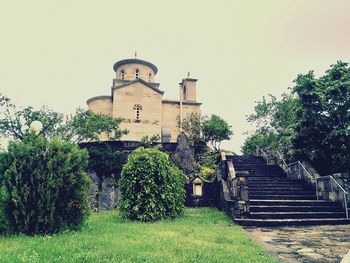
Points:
x=188 y=89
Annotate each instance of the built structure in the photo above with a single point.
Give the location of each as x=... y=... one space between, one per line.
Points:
x=138 y=100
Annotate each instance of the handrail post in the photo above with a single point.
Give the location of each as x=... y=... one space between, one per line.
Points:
x=260 y=152
x=317 y=189
x=346 y=206
x=331 y=182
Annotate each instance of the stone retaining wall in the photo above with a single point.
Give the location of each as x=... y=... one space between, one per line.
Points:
x=328 y=189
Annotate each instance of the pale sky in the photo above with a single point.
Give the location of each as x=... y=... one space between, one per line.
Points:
x=60 y=53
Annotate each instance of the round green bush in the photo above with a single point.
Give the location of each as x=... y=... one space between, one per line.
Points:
x=150 y=188
x=43 y=186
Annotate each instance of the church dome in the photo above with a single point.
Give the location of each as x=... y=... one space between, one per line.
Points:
x=131 y=69
x=123 y=62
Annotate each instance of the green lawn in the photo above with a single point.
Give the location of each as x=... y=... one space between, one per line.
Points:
x=201 y=235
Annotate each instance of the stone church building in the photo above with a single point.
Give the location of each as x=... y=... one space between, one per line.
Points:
x=138 y=100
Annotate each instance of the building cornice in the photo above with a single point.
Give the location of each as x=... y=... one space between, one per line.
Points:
x=183 y=102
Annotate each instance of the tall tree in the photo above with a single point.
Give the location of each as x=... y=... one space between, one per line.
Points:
x=192 y=126
x=312 y=122
x=216 y=130
x=323 y=127
x=275 y=121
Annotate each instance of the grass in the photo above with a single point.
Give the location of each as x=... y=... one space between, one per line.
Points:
x=201 y=235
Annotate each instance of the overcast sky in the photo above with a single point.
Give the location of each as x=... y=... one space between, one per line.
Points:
x=60 y=53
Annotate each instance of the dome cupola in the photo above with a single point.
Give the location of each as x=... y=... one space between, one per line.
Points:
x=131 y=69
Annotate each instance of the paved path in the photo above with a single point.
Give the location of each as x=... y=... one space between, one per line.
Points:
x=304 y=244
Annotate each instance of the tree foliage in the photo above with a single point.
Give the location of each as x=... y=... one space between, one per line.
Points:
x=104 y=160
x=216 y=130
x=150 y=188
x=87 y=126
x=192 y=127
x=15 y=122
x=275 y=121
x=208 y=165
x=263 y=138
x=149 y=141
x=323 y=127
x=312 y=122
x=84 y=126
x=43 y=186
x=202 y=130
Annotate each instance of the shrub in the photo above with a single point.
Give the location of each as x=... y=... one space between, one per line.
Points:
x=210 y=158
x=43 y=187
x=150 y=188
x=206 y=173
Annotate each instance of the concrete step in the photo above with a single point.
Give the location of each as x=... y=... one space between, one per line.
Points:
x=285 y=202
x=262 y=170
x=265 y=172
x=277 y=182
x=294 y=208
x=265 y=175
x=278 y=186
x=264 y=187
x=244 y=159
x=272 y=179
x=280 y=191
x=282 y=197
x=255 y=166
x=292 y=222
x=295 y=215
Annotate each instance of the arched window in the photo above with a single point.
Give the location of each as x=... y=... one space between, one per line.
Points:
x=138 y=109
x=149 y=77
x=137 y=73
x=122 y=74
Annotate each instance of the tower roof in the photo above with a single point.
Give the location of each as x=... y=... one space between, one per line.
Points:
x=135 y=61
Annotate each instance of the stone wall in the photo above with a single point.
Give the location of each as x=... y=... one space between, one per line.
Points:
x=103 y=194
x=328 y=189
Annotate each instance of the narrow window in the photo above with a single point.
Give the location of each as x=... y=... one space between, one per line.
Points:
x=185 y=93
x=197 y=187
x=137 y=73
x=137 y=109
x=149 y=77
x=122 y=74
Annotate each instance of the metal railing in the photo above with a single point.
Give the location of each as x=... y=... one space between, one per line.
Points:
x=260 y=152
x=282 y=162
x=340 y=189
x=302 y=174
x=302 y=171
x=297 y=170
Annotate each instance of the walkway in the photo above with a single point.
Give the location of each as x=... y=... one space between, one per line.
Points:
x=304 y=244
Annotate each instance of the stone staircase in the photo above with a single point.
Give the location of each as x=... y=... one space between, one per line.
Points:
x=275 y=200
